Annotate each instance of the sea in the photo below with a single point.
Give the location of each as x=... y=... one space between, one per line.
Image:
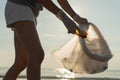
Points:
x=63 y=74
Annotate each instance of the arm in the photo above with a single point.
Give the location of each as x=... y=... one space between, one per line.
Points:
x=69 y=24
x=66 y=6
x=48 y=4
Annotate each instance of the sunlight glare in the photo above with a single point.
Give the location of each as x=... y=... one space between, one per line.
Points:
x=66 y=73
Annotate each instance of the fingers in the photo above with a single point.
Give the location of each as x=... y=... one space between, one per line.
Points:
x=80 y=20
x=83 y=21
x=82 y=33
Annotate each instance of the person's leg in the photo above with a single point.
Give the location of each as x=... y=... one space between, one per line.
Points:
x=27 y=34
x=20 y=61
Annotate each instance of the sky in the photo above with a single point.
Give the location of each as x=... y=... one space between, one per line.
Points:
x=105 y=14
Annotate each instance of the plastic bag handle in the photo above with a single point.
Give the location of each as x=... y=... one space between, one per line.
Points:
x=78 y=34
x=95 y=56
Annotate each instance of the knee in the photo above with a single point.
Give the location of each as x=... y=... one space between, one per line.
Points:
x=40 y=57
x=36 y=59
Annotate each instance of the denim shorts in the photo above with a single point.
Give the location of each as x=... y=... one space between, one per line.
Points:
x=16 y=12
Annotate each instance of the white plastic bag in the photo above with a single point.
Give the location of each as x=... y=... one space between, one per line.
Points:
x=85 y=55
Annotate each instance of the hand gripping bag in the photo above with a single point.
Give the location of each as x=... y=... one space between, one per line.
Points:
x=85 y=55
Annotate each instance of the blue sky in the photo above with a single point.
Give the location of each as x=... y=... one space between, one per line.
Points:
x=104 y=13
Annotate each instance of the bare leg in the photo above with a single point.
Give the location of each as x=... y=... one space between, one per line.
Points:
x=20 y=61
x=27 y=34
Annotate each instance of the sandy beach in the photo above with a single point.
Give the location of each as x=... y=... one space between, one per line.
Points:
x=62 y=78
x=94 y=79
x=84 y=78
x=54 y=78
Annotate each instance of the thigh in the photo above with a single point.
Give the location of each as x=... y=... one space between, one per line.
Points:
x=28 y=36
x=20 y=52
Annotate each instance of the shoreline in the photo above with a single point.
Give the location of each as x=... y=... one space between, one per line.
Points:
x=78 y=78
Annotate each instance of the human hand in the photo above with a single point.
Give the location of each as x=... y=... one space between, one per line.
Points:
x=70 y=25
x=81 y=33
x=80 y=20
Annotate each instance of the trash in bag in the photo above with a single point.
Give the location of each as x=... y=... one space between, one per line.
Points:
x=85 y=55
